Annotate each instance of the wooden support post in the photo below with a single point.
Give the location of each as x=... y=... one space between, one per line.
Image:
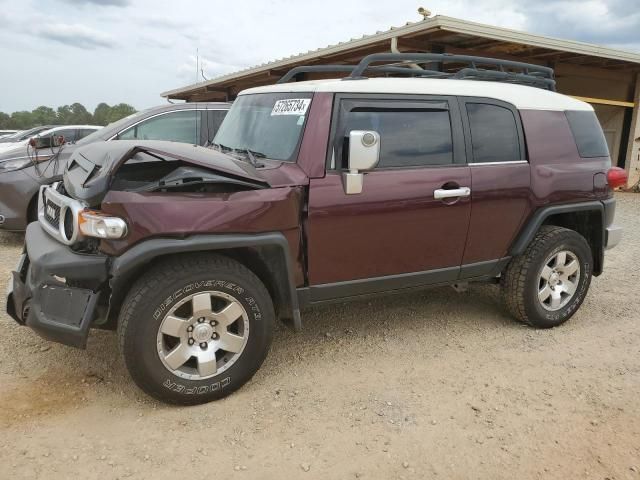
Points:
x=632 y=163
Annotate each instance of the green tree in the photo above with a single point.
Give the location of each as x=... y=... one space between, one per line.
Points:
x=101 y=114
x=63 y=115
x=44 y=116
x=80 y=115
x=75 y=113
x=5 y=120
x=21 y=120
x=120 y=111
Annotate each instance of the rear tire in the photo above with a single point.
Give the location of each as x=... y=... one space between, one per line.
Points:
x=195 y=328
x=545 y=286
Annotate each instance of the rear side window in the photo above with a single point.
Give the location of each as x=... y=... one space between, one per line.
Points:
x=587 y=133
x=180 y=126
x=494 y=133
x=408 y=138
x=70 y=135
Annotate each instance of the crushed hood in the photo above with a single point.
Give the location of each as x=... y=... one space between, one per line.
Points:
x=90 y=169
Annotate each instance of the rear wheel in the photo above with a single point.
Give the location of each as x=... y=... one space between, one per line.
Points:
x=545 y=285
x=195 y=329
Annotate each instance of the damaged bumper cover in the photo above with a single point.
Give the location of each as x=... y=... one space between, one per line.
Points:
x=54 y=290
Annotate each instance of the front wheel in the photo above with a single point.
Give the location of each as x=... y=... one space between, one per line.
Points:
x=546 y=285
x=195 y=328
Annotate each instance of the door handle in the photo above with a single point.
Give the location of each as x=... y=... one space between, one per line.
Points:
x=452 y=193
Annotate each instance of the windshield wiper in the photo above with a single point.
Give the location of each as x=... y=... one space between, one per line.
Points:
x=222 y=148
x=251 y=155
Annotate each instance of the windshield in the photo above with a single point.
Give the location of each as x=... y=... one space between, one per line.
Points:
x=267 y=124
x=24 y=135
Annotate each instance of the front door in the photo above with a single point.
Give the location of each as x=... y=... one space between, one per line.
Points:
x=399 y=231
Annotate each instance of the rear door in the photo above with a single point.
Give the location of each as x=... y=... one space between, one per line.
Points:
x=396 y=231
x=500 y=181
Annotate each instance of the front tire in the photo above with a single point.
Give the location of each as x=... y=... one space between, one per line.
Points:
x=195 y=328
x=545 y=286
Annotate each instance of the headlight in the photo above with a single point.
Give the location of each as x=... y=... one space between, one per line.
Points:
x=12 y=165
x=96 y=224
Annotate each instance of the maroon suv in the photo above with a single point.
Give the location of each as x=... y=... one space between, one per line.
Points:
x=319 y=191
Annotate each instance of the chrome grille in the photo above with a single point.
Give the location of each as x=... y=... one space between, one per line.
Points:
x=52 y=213
x=52 y=208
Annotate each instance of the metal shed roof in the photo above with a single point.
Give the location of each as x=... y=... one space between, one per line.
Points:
x=423 y=35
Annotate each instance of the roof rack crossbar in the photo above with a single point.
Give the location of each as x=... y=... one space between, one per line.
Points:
x=526 y=70
x=349 y=68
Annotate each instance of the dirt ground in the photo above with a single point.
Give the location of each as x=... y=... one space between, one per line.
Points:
x=434 y=384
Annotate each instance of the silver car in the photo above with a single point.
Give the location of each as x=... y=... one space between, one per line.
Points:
x=23 y=170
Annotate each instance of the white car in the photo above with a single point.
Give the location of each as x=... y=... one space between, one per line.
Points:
x=6 y=133
x=71 y=134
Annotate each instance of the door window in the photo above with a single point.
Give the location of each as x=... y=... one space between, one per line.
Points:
x=181 y=126
x=494 y=133
x=84 y=132
x=69 y=134
x=415 y=137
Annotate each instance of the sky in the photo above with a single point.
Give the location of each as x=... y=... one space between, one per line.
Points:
x=56 y=52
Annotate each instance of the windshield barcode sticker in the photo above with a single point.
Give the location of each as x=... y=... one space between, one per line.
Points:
x=291 y=106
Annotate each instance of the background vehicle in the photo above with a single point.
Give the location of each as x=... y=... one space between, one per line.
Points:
x=71 y=134
x=6 y=133
x=23 y=135
x=22 y=171
x=321 y=191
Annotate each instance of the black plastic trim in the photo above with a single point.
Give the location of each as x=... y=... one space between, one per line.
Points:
x=367 y=286
x=489 y=268
x=59 y=288
x=124 y=266
x=534 y=223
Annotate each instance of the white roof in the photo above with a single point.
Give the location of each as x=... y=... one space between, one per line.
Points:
x=521 y=96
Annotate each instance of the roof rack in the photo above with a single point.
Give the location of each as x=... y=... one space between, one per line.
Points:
x=435 y=66
x=349 y=68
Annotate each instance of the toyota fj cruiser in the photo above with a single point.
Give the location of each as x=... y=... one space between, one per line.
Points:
x=318 y=191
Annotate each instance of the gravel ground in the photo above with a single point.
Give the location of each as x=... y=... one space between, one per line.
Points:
x=434 y=384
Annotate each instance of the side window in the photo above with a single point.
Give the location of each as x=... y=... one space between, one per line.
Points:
x=587 y=133
x=411 y=137
x=84 y=132
x=181 y=126
x=69 y=134
x=494 y=133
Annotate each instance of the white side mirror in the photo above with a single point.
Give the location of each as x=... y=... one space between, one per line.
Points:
x=364 y=154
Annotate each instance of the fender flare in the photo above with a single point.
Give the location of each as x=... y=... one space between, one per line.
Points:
x=533 y=224
x=124 y=267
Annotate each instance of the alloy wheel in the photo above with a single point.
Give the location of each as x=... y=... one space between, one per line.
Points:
x=203 y=335
x=558 y=280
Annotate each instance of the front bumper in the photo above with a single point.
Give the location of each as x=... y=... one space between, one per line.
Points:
x=55 y=290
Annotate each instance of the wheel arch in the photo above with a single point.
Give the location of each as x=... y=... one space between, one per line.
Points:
x=586 y=218
x=266 y=255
